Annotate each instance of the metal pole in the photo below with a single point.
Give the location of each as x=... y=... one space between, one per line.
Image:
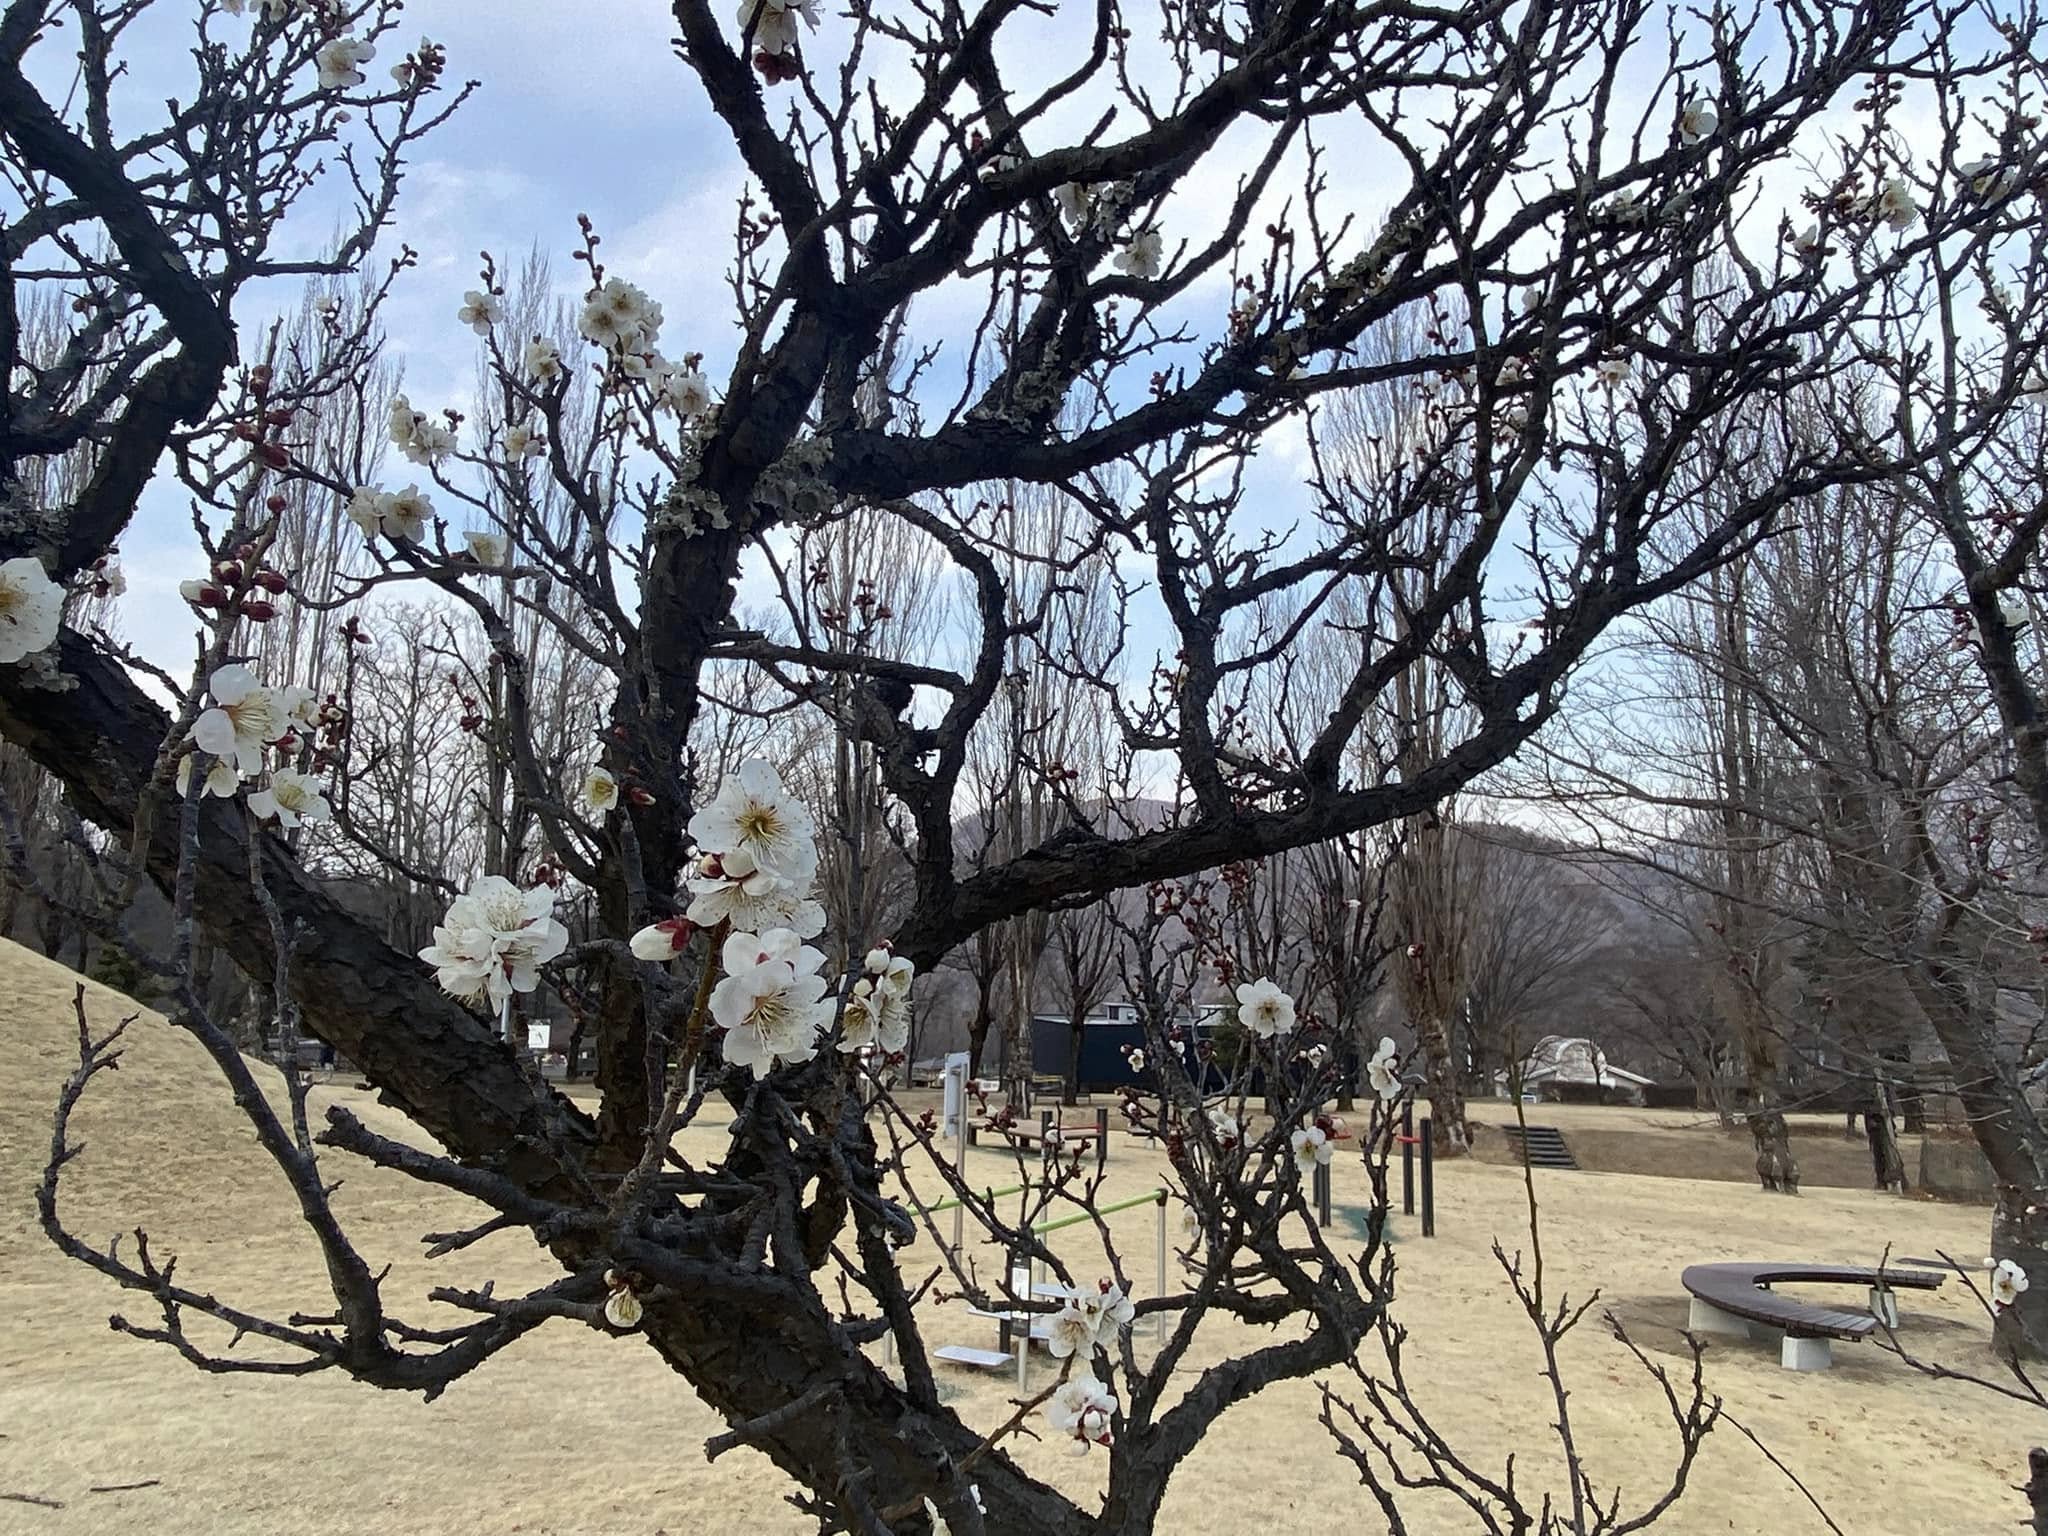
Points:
x=1408 y=1157
x=1428 y=1181
x=960 y=1166
x=1161 y=1329
x=1101 y=1138
x=1322 y=1193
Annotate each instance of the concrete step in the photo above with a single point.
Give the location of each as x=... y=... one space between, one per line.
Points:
x=1541 y=1146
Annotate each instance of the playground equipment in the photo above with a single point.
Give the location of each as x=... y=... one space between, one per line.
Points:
x=1016 y=1323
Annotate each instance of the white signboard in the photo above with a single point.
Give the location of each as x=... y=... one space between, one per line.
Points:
x=956 y=1094
x=539 y=1036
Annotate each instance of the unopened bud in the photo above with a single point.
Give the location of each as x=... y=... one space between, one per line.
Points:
x=261 y=610
x=276 y=503
x=271 y=581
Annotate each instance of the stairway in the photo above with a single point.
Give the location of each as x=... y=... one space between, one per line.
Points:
x=1541 y=1146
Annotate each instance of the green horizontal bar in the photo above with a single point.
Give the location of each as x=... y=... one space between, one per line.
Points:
x=987 y=1194
x=1157 y=1197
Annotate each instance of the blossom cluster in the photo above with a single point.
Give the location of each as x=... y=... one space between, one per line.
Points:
x=619 y=317
x=756 y=863
x=1090 y=1319
x=1080 y=1410
x=247 y=720
x=494 y=940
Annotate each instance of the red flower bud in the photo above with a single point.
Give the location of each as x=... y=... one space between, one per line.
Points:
x=274 y=455
x=245 y=552
x=258 y=609
x=276 y=503
x=271 y=581
x=228 y=572
x=639 y=796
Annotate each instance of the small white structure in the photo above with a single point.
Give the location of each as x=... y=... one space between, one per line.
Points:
x=1557 y=1060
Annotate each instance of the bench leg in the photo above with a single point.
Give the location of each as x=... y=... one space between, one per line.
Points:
x=1797 y=1354
x=1884 y=1306
x=1708 y=1318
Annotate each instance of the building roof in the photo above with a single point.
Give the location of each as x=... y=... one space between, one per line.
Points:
x=1574 y=1059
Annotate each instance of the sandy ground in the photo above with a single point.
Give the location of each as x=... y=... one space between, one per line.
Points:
x=572 y=1432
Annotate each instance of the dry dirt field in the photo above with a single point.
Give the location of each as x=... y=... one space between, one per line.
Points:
x=572 y=1432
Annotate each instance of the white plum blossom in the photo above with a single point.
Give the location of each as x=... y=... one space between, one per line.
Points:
x=662 y=941
x=1264 y=1009
x=417 y=436
x=1895 y=205
x=301 y=707
x=1611 y=372
x=1225 y=1126
x=494 y=940
x=480 y=311
x=685 y=391
x=1134 y=1058
x=31 y=606
x=1080 y=1410
x=754 y=814
x=542 y=359
x=622 y=1307
x=487 y=547
x=1989 y=178
x=768 y=1002
x=773 y=22
x=1625 y=208
x=406 y=512
x=620 y=316
x=599 y=791
x=1075 y=203
x=522 y=442
x=1107 y=1308
x=394 y=514
x=731 y=888
x=1312 y=1145
x=1383 y=1071
x=291 y=798
x=1808 y=241
x=2008 y=1280
x=221 y=778
x=1143 y=256
x=875 y=1014
x=1697 y=121
x=246 y=717
x=338 y=62
x=860 y=1021
x=1071 y=1332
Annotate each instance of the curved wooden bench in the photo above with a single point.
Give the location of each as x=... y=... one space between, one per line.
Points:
x=1737 y=1299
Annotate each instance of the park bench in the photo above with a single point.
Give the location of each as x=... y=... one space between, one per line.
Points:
x=1050 y=1137
x=1738 y=1300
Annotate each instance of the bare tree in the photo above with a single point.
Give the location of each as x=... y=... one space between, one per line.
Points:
x=1575 y=438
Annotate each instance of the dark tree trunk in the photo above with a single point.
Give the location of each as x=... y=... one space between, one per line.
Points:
x=1446 y=1101
x=977 y=1033
x=1776 y=1168
x=2008 y=1130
